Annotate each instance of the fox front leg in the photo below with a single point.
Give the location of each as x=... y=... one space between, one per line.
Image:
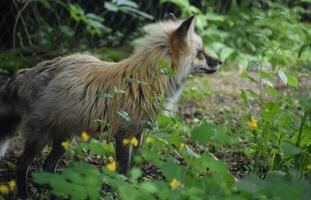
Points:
x=124 y=152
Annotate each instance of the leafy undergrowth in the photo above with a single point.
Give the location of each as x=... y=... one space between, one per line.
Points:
x=234 y=140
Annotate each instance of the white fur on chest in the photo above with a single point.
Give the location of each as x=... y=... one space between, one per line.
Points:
x=172 y=101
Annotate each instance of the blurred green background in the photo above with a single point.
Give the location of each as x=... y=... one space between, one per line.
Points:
x=237 y=31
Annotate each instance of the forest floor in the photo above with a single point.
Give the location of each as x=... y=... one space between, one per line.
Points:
x=207 y=97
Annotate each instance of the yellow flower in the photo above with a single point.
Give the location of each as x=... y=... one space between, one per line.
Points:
x=125 y=142
x=252 y=123
x=134 y=141
x=4 y=189
x=110 y=158
x=148 y=140
x=12 y=184
x=175 y=184
x=112 y=166
x=84 y=136
x=65 y=144
x=309 y=166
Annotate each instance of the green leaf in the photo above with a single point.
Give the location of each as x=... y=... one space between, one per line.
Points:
x=273 y=91
x=111 y=7
x=283 y=77
x=104 y=95
x=244 y=98
x=292 y=81
x=118 y=91
x=253 y=65
x=210 y=132
x=217 y=168
x=98 y=147
x=124 y=115
x=245 y=75
x=135 y=173
x=161 y=63
x=290 y=149
x=164 y=121
x=149 y=187
x=250 y=184
x=305 y=102
x=266 y=75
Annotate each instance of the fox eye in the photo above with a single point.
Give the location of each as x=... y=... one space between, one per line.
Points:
x=200 y=54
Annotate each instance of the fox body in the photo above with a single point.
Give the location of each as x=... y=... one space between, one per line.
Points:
x=60 y=98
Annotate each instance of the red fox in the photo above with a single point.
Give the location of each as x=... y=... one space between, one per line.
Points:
x=60 y=98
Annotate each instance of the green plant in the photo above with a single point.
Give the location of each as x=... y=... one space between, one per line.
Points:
x=126 y=6
x=282 y=122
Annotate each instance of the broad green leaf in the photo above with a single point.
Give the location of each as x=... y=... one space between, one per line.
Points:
x=209 y=132
x=217 y=168
x=164 y=121
x=305 y=137
x=292 y=80
x=135 y=173
x=148 y=187
x=250 y=184
x=290 y=149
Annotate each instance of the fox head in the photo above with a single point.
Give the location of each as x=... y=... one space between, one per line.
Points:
x=188 y=50
x=177 y=42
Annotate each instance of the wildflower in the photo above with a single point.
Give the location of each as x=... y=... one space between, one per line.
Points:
x=125 y=142
x=112 y=166
x=175 y=184
x=12 y=184
x=4 y=189
x=84 y=136
x=65 y=144
x=110 y=158
x=309 y=166
x=148 y=140
x=252 y=123
x=134 y=141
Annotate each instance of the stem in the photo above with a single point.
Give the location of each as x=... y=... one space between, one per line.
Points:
x=16 y=20
x=302 y=123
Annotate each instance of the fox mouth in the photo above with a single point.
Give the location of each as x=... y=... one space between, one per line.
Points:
x=208 y=71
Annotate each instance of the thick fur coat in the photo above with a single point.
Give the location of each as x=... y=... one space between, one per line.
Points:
x=62 y=97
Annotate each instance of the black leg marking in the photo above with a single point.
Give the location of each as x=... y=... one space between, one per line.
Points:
x=55 y=155
x=33 y=145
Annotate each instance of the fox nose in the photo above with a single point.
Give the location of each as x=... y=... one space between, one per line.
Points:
x=215 y=63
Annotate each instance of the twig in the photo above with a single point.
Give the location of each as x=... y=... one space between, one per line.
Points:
x=17 y=18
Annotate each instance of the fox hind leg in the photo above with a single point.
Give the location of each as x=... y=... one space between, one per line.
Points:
x=33 y=145
x=55 y=155
x=124 y=153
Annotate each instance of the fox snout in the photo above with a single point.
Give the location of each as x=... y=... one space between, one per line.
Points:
x=212 y=63
x=209 y=66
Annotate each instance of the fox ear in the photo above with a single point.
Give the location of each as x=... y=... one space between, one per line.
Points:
x=171 y=17
x=185 y=27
